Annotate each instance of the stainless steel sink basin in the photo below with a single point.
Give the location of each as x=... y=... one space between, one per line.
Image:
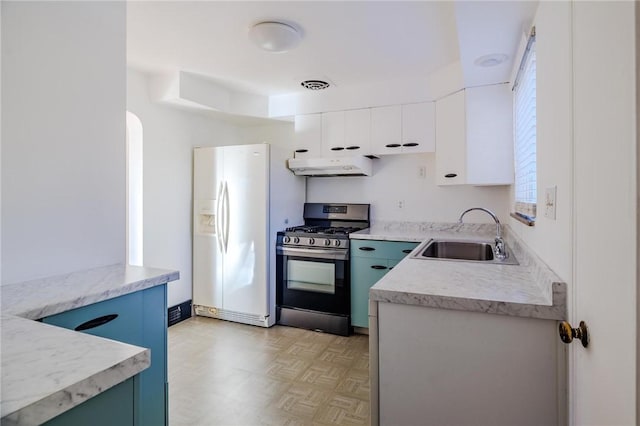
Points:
x=470 y=251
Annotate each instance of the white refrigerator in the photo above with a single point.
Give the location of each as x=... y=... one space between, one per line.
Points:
x=242 y=196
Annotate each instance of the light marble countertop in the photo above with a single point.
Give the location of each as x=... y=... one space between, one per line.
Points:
x=529 y=289
x=48 y=370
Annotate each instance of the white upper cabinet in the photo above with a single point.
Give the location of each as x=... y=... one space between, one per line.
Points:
x=308 y=136
x=403 y=129
x=357 y=132
x=346 y=133
x=474 y=137
x=333 y=134
x=451 y=155
x=419 y=127
x=386 y=130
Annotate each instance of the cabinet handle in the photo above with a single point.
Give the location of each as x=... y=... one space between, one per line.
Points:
x=407 y=251
x=411 y=144
x=378 y=267
x=390 y=267
x=337 y=148
x=366 y=248
x=392 y=145
x=302 y=150
x=451 y=175
x=353 y=147
x=96 y=322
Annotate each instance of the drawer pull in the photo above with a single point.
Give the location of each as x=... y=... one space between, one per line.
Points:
x=410 y=144
x=451 y=175
x=337 y=148
x=96 y=322
x=352 y=147
x=407 y=251
x=302 y=150
x=366 y=248
x=393 y=145
x=378 y=267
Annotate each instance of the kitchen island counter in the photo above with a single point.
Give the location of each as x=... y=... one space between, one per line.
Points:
x=48 y=370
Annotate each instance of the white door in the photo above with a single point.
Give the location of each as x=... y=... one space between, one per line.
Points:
x=246 y=219
x=207 y=253
x=603 y=376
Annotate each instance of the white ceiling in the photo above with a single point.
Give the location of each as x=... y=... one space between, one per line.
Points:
x=346 y=42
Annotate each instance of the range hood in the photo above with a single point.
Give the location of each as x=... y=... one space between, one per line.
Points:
x=336 y=166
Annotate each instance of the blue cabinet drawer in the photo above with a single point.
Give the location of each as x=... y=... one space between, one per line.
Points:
x=381 y=249
x=117 y=319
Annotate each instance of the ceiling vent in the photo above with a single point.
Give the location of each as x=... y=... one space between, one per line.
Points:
x=315 y=84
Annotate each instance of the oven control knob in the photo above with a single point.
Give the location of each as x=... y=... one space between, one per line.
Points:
x=336 y=243
x=286 y=239
x=296 y=240
x=327 y=242
x=312 y=241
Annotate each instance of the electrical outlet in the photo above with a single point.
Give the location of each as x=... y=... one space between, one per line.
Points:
x=550 y=203
x=400 y=204
x=422 y=172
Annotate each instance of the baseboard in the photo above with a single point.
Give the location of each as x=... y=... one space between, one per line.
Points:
x=178 y=313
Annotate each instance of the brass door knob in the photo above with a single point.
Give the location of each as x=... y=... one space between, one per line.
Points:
x=567 y=333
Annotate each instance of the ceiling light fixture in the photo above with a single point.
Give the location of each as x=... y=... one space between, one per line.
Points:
x=275 y=37
x=491 y=60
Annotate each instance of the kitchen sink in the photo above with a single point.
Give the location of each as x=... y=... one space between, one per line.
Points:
x=469 y=251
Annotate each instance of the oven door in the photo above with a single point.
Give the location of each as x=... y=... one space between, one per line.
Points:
x=313 y=279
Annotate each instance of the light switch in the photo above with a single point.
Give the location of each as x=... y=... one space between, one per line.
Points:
x=550 y=203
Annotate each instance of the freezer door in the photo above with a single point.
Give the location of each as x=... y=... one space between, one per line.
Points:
x=207 y=244
x=245 y=229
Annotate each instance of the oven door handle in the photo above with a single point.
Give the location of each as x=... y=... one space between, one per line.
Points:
x=317 y=254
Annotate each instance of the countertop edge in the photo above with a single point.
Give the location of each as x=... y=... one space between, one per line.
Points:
x=142 y=279
x=512 y=309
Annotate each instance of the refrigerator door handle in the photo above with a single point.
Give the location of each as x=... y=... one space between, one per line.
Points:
x=218 y=216
x=227 y=216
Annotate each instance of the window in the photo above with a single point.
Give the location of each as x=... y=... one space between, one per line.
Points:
x=134 y=190
x=524 y=120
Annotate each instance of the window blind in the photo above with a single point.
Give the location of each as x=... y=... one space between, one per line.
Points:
x=525 y=133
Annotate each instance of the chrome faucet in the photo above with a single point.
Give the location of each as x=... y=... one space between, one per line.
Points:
x=499 y=251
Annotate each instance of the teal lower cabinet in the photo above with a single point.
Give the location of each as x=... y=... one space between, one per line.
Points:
x=114 y=406
x=139 y=319
x=370 y=261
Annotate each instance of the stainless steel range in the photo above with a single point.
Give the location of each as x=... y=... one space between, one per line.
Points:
x=313 y=268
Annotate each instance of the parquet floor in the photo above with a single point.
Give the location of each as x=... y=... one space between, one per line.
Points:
x=224 y=373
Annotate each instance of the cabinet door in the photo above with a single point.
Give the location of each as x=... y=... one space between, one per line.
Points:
x=451 y=155
x=357 y=132
x=333 y=134
x=365 y=272
x=307 y=140
x=489 y=135
x=419 y=127
x=386 y=130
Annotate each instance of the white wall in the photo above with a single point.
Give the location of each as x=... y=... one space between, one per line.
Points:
x=396 y=178
x=63 y=133
x=169 y=137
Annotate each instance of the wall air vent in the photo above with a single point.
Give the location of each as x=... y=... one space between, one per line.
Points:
x=315 y=84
